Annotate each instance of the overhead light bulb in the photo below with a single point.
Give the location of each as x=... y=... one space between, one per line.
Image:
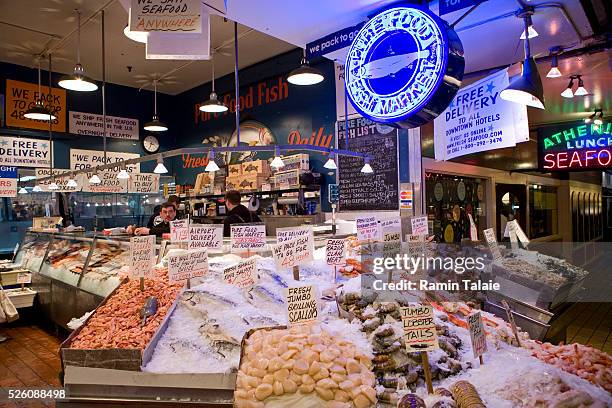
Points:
x=37 y=189
x=367 y=169
x=72 y=183
x=78 y=81
x=160 y=168
x=305 y=74
x=155 y=125
x=527 y=88
x=213 y=105
x=567 y=93
x=581 y=91
x=212 y=165
x=138 y=36
x=123 y=174
x=531 y=31
x=277 y=162
x=39 y=112
x=554 y=68
x=53 y=186
x=330 y=163
x=95 y=179
x=22 y=190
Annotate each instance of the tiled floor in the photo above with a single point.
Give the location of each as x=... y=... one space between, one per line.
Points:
x=29 y=359
x=588 y=323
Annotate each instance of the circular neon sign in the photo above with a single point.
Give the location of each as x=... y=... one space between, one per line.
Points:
x=404 y=67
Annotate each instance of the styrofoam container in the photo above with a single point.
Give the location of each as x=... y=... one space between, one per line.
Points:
x=21 y=297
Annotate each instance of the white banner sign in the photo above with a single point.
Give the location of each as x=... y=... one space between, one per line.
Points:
x=142 y=255
x=205 y=236
x=144 y=183
x=109 y=183
x=85 y=159
x=419 y=328
x=22 y=152
x=189 y=265
x=478 y=120
x=62 y=182
x=180 y=16
x=91 y=124
x=477 y=334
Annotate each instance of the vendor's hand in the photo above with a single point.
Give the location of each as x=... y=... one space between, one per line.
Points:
x=141 y=231
x=130 y=229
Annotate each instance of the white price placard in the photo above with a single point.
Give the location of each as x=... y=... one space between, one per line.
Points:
x=335 y=252
x=179 y=231
x=205 y=236
x=242 y=275
x=142 y=255
x=302 y=305
x=191 y=264
x=368 y=228
x=419 y=328
x=247 y=237
x=292 y=253
x=419 y=225
x=477 y=334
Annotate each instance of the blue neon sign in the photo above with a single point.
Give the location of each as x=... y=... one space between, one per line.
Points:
x=403 y=65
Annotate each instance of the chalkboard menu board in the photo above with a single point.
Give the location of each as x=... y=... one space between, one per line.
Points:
x=375 y=191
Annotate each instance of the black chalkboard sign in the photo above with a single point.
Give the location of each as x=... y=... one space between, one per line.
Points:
x=377 y=191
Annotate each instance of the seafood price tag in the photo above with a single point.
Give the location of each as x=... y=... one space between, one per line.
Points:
x=477 y=334
x=248 y=237
x=188 y=265
x=335 y=252
x=242 y=275
x=473 y=230
x=419 y=225
x=179 y=231
x=24 y=277
x=416 y=245
x=292 y=253
x=419 y=328
x=368 y=228
x=142 y=255
x=391 y=229
x=492 y=243
x=302 y=306
x=516 y=233
x=289 y=233
x=205 y=236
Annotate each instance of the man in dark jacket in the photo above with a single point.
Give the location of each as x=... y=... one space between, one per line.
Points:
x=162 y=226
x=155 y=218
x=237 y=213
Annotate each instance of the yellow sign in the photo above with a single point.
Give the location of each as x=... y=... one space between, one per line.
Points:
x=21 y=96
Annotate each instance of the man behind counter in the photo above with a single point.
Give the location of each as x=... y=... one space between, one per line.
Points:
x=238 y=213
x=167 y=214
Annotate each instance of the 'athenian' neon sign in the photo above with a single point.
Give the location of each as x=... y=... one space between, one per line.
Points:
x=404 y=67
x=581 y=147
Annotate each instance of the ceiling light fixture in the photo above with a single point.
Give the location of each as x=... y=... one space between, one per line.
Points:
x=160 y=168
x=138 y=36
x=22 y=190
x=123 y=174
x=554 y=63
x=36 y=189
x=53 y=186
x=581 y=91
x=305 y=74
x=529 y=29
x=526 y=89
x=38 y=111
x=277 y=162
x=331 y=163
x=212 y=165
x=94 y=178
x=367 y=169
x=213 y=105
x=568 y=93
x=155 y=125
x=77 y=81
x=72 y=183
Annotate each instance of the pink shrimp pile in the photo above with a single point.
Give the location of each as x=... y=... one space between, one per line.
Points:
x=117 y=324
x=584 y=361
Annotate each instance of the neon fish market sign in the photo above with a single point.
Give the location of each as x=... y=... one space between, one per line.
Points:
x=581 y=147
x=404 y=67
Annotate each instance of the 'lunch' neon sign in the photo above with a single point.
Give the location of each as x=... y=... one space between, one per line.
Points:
x=580 y=147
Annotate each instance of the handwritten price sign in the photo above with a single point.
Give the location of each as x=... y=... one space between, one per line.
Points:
x=477 y=334
x=179 y=231
x=368 y=228
x=189 y=265
x=419 y=328
x=247 y=237
x=335 y=252
x=205 y=236
x=142 y=254
x=292 y=253
x=242 y=275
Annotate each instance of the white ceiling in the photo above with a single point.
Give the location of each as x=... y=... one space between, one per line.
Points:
x=56 y=19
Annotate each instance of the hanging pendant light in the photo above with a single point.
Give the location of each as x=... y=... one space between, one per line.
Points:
x=277 y=162
x=72 y=183
x=554 y=68
x=94 y=178
x=22 y=190
x=212 y=165
x=155 y=125
x=53 y=186
x=78 y=81
x=160 y=168
x=38 y=111
x=123 y=174
x=367 y=169
x=581 y=91
x=36 y=189
x=213 y=105
x=527 y=88
x=567 y=93
x=529 y=29
x=305 y=74
x=331 y=163
x=138 y=36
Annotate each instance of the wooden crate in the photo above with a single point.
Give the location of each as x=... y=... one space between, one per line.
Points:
x=251 y=182
x=234 y=170
x=232 y=183
x=257 y=167
x=287 y=179
x=295 y=162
